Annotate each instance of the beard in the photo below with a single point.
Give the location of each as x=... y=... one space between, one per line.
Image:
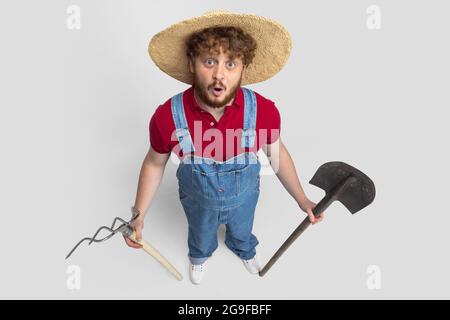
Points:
x=203 y=94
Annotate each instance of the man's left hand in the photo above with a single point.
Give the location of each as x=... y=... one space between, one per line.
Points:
x=307 y=206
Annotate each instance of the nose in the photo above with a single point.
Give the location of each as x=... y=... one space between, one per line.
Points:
x=218 y=72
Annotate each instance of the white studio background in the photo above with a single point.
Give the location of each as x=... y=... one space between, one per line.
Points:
x=366 y=83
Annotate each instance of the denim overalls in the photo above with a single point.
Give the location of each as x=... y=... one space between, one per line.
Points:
x=214 y=192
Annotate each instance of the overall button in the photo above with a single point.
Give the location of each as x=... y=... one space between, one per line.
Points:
x=220 y=190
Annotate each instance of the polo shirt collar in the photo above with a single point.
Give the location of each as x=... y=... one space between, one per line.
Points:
x=238 y=100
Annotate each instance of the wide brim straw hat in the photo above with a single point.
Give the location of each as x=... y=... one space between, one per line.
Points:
x=168 y=47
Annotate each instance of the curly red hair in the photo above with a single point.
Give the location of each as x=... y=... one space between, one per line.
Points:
x=234 y=40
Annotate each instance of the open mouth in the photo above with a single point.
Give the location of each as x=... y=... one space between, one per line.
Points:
x=217 y=91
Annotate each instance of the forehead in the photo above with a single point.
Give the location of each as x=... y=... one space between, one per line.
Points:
x=214 y=54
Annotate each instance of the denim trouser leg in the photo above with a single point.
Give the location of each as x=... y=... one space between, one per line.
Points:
x=238 y=236
x=202 y=233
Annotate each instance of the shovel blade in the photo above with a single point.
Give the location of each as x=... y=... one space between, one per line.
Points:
x=357 y=194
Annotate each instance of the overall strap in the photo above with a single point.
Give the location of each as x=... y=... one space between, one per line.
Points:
x=181 y=127
x=250 y=109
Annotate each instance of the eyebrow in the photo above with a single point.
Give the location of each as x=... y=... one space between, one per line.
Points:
x=205 y=56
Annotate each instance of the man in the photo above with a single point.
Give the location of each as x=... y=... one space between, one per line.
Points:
x=216 y=128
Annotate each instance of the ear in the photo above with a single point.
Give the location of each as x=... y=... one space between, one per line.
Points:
x=191 y=65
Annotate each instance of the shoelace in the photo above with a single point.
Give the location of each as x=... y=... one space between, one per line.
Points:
x=195 y=267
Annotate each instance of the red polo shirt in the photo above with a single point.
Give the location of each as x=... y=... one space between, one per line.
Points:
x=218 y=139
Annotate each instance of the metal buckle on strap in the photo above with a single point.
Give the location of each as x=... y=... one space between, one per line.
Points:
x=181 y=133
x=184 y=138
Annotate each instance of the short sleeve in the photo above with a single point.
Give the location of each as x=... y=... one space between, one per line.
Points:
x=274 y=124
x=157 y=140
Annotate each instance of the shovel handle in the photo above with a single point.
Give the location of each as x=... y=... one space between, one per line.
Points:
x=294 y=235
x=320 y=207
x=158 y=256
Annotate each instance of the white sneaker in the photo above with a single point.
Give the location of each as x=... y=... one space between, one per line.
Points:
x=252 y=265
x=196 y=272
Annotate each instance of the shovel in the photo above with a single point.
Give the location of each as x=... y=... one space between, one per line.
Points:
x=341 y=182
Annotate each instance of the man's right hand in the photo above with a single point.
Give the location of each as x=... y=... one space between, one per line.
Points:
x=137 y=226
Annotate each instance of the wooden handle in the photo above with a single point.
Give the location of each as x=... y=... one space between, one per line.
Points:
x=294 y=235
x=155 y=254
x=319 y=208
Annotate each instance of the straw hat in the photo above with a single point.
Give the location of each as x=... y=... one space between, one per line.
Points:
x=168 y=48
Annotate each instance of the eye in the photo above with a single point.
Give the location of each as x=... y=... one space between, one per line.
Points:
x=231 y=64
x=209 y=62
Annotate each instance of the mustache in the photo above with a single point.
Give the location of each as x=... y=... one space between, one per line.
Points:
x=217 y=84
